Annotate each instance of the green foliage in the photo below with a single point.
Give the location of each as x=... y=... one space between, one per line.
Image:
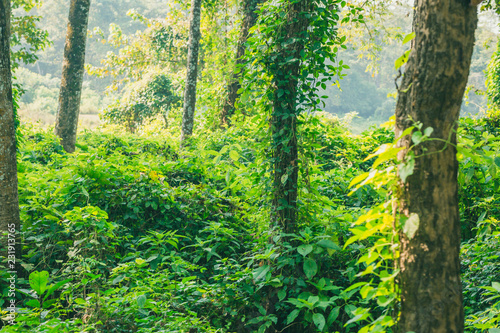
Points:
x=152 y=96
x=493 y=89
x=26 y=38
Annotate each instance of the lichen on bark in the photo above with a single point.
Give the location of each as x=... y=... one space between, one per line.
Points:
x=191 y=71
x=72 y=74
x=431 y=93
x=9 y=202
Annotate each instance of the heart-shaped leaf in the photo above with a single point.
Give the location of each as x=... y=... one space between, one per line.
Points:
x=38 y=281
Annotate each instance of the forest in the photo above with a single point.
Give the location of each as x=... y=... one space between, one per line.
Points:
x=250 y=166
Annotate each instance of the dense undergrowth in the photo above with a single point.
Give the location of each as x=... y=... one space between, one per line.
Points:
x=137 y=236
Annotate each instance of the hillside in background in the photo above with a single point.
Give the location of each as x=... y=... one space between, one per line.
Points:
x=367 y=89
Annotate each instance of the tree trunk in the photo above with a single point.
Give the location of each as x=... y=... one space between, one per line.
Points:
x=431 y=93
x=9 y=202
x=72 y=74
x=192 y=71
x=284 y=116
x=249 y=20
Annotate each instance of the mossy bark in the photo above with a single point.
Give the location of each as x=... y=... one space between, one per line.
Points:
x=431 y=93
x=285 y=112
x=9 y=202
x=192 y=71
x=72 y=74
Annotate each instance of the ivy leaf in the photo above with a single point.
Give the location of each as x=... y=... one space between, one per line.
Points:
x=310 y=268
x=319 y=321
x=406 y=169
x=428 y=131
x=38 y=281
x=417 y=137
x=304 y=250
x=411 y=225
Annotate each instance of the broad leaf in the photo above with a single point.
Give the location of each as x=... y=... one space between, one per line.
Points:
x=38 y=281
x=310 y=268
x=319 y=321
x=291 y=317
x=304 y=250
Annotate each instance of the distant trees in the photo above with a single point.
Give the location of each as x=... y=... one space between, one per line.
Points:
x=9 y=202
x=72 y=74
x=154 y=95
x=431 y=93
x=192 y=71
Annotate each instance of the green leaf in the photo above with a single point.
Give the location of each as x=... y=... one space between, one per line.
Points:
x=428 y=131
x=284 y=178
x=497 y=161
x=416 y=137
x=304 y=250
x=234 y=155
x=411 y=225
x=80 y=301
x=333 y=315
x=291 y=317
x=38 y=281
x=496 y=286
x=281 y=294
x=34 y=303
x=310 y=268
x=54 y=287
x=408 y=37
x=319 y=321
x=328 y=244
x=358 y=179
x=141 y=300
x=406 y=169
x=140 y=262
x=260 y=273
x=494 y=330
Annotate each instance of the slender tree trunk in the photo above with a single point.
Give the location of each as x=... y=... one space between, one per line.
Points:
x=284 y=116
x=72 y=74
x=192 y=71
x=431 y=93
x=9 y=202
x=249 y=20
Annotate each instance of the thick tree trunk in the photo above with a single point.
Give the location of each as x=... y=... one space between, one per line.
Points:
x=192 y=71
x=72 y=74
x=249 y=20
x=431 y=93
x=9 y=202
x=284 y=117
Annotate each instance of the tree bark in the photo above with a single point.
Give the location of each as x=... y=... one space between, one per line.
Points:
x=431 y=93
x=72 y=74
x=192 y=71
x=9 y=202
x=284 y=115
x=249 y=20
